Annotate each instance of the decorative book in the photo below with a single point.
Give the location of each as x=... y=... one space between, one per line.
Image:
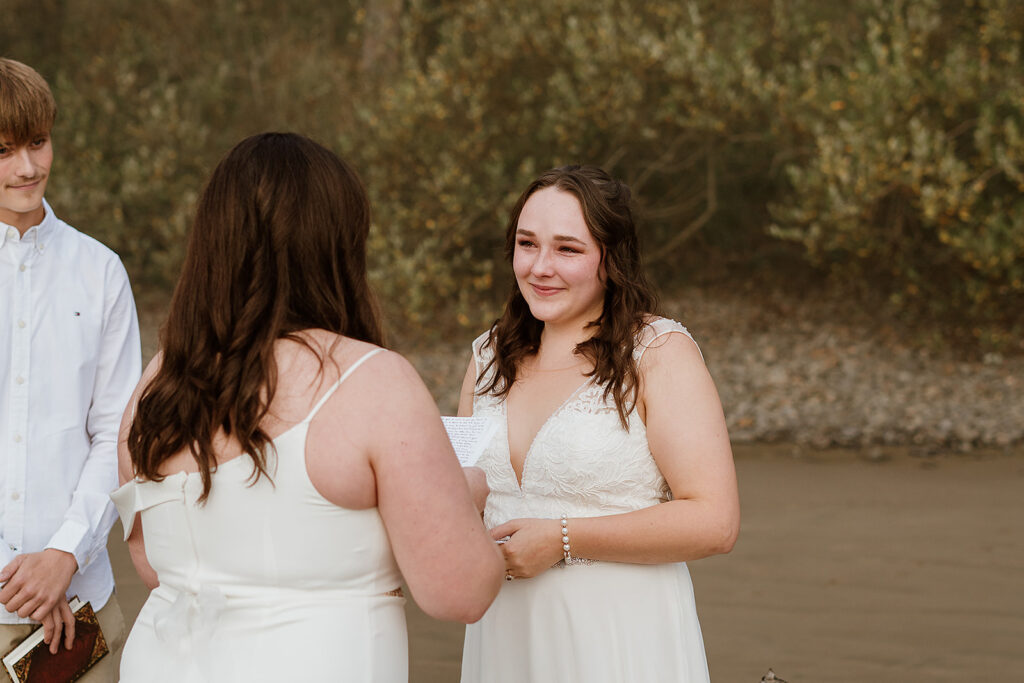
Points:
x=31 y=661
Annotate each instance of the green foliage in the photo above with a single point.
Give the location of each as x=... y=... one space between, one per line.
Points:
x=913 y=178
x=151 y=95
x=502 y=92
x=884 y=137
x=464 y=123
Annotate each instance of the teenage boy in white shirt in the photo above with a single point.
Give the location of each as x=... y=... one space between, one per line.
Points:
x=69 y=360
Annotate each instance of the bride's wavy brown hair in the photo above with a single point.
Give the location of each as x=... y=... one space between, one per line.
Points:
x=628 y=298
x=278 y=246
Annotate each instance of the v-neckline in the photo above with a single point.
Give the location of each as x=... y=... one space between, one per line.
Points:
x=521 y=477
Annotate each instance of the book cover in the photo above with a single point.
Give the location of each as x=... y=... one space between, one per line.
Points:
x=31 y=661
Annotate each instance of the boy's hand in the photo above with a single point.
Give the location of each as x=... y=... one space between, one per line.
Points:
x=60 y=619
x=36 y=582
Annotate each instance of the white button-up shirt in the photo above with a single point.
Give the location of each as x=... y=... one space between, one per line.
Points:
x=69 y=361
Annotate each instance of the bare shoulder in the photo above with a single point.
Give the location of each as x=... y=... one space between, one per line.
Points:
x=152 y=368
x=314 y=356
x=386 y=364
x=378 y=376
x=125 y=468
x=667 y=344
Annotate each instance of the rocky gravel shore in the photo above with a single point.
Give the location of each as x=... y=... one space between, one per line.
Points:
x=794 y=369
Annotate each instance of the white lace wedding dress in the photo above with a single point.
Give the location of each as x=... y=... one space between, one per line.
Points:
x=589 y=621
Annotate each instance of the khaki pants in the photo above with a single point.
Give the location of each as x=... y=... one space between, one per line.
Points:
x=111 y=623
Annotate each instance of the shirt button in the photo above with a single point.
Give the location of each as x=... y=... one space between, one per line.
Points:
x=17 y=438
x=19 y=379
x=15 y=496
x=22 y=267
x=21 y=324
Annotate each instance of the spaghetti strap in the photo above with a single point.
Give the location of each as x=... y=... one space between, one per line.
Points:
x=344 y=376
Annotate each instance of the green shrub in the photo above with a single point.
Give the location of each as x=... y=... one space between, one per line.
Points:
x=503 y=91
x=151 y=95
x=913 y=180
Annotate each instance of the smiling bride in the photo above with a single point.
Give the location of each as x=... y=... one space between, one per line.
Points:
x=612 y=467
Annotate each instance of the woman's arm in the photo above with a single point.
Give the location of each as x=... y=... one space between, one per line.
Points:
x=688 y=438
x=468 y=390
x=448 y=560
x=475 y=476
x=126 y=472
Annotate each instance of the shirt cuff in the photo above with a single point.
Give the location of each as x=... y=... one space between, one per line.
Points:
x=73 y=537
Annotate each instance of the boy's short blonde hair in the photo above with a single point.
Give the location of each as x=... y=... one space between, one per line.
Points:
x=27 y=107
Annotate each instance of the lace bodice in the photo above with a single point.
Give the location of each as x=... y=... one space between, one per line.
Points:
x=582 y=463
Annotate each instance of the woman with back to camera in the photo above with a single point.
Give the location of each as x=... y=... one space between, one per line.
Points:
x=281 y=467
x=613 y=465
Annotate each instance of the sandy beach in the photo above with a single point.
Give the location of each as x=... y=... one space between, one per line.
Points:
x=893 y=567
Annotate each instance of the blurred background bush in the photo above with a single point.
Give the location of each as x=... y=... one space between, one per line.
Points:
x=878 y=143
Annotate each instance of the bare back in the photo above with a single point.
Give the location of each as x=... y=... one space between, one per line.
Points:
x=377 y=441
x=337 y=439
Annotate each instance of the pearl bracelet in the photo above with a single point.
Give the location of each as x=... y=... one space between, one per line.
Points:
x=566 y=555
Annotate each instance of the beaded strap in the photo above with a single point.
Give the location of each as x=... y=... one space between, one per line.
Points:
x=566 y=554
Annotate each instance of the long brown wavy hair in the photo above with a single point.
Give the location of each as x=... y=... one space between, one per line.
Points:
x=628 y=297
x=278 y=246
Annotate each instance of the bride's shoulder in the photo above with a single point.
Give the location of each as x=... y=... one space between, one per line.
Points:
x=656 y=327
x=658 y=333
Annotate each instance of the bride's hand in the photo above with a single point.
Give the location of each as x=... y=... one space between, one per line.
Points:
x=533 y=546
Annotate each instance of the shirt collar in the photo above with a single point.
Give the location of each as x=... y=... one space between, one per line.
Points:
x=38 y=235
